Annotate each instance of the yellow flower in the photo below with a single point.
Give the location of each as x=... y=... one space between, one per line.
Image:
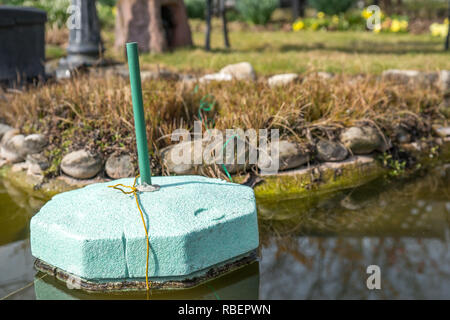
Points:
x=335 y=19
x=366 y=14
x=315 y=26
x=320 y=15
x=298 y=25
x=377 y=28
x=395 y=26
x=114 y=10
x=404 y=25
x=439 y=30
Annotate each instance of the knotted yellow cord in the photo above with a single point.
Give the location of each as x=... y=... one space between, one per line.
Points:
x=134 y=191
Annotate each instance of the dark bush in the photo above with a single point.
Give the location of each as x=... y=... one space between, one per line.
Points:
x=331 y=6
x=195 y=8
x=256 y=11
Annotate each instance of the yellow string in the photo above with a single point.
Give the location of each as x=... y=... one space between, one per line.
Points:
x=134 y=191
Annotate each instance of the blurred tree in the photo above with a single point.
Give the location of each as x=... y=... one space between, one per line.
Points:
x=331 y=6
x=256 y=11
x=156 y=25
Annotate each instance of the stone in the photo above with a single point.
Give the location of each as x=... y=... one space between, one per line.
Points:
x=155 y=25
x=161 y=74
x=215 y=77
x=442 y=131
x=171 y=158
x=282 y=79
x=408 y=76
x=194 y=224
x=325 y=75
x=81 y=164
x=291 y=155
x=444 y=81
x=239 y=71
x=119 y=166
x=328 y=151
x=363 y=140
x=8 y=135
x=4 y=128
x=37 y=164
x=15 y=147
x=5 y=153
x=34 y=143
x=170 y=153
x=400 y=75
x=244 y=153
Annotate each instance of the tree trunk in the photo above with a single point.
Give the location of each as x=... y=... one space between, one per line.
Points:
x=158 y=42
x=142 y=21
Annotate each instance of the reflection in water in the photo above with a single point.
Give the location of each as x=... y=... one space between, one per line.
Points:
x=16 y=262
x=335 y=268
x=310 y=248
x=240 y=284
x=16 y=269
x=324 y=251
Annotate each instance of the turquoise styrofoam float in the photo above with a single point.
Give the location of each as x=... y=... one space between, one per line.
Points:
x=94 y=238
x=194 y=225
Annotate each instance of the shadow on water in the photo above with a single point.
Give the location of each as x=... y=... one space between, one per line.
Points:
x=310 y=248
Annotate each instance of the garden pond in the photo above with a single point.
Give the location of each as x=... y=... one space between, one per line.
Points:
x=310 y=249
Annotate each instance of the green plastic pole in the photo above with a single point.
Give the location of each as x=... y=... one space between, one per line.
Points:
x=138 y=111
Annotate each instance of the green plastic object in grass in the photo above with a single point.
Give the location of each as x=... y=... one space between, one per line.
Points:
x=138 y=111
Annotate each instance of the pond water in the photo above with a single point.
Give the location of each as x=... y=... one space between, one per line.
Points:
x=310 y=249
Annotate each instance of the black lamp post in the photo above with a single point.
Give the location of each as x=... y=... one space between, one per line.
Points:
x=85 y=44
x=209 y=14
x=447 y=41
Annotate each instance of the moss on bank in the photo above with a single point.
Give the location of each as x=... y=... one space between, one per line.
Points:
x=34 y=186
x=321 y=179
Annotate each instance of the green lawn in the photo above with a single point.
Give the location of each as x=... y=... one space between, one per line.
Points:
x=278 y=51
x=273 y=52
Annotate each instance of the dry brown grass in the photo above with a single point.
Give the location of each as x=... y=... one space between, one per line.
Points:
x=56 y=36
x=96 y=113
